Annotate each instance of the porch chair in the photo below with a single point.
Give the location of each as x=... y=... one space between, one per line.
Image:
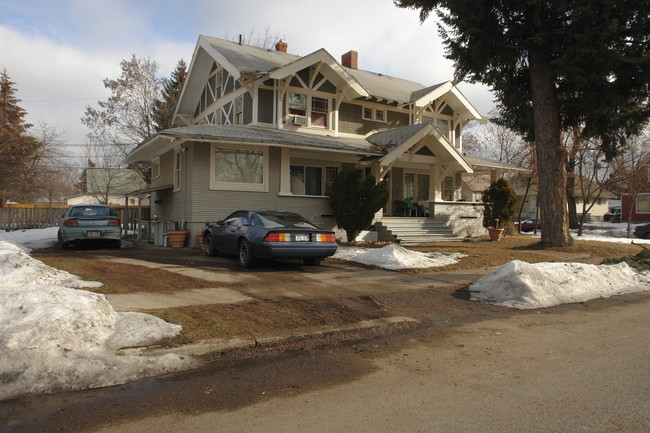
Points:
x=410 y=207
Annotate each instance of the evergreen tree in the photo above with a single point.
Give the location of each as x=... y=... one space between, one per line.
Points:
x=355 y=202
x=164 y=108
x=17 y=148
x=500 y=202
x=554 y=65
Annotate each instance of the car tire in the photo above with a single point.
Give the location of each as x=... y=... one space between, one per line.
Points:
x=246 y=255
x=646 y=236
x=312 y=262
x=208 y=246
x=62 y=245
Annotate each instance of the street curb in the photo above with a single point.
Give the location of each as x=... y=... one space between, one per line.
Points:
x=222 y=345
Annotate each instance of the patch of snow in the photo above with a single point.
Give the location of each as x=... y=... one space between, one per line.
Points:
x=527 y=286
x=56 y=338
x=395 y=257
x=31 y=239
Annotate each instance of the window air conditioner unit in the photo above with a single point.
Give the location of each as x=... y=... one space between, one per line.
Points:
x=298 y=120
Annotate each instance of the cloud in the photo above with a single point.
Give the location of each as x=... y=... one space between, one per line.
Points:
x=58 y=53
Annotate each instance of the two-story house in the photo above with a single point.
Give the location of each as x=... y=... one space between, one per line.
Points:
x=265 y=129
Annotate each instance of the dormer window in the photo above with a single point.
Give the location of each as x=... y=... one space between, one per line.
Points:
x=318 y=112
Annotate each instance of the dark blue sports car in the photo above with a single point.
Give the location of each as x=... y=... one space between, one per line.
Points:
x=270 y=234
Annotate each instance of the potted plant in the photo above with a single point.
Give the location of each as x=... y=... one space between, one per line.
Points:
x=499 y=201
x=177 y=237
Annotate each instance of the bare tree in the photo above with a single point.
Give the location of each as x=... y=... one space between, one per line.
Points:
x=127 y=117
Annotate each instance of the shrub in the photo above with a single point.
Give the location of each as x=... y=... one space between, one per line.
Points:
x=500 y=202
x=355 y=202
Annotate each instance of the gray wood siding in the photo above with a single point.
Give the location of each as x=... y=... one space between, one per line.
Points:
x=212 y=205
x=248 y=108
x=265 y=106
x=315 y=209
x=350 y=120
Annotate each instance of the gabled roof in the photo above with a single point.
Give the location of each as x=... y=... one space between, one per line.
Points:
x=398 y=141
x=485 y=164
x=265 y=63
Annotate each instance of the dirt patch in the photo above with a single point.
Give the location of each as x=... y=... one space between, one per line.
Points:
x=483 y=254
x=203 y=322
x=385 y=296
x=118 y=278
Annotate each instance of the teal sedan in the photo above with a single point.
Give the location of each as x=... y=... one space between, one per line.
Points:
x=86 y=223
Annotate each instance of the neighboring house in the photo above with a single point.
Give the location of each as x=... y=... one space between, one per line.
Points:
x=111 y=186
x=266 y=129
x=596 y=213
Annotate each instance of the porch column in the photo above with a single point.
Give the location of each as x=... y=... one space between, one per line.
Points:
x=434 y=184
x=285 y=170
x=495 y=175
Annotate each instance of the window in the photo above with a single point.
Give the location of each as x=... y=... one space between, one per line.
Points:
x=409 y=185
x=297 y=104
x=330 y=177
x=643 y=203
x=177 y=169
x=373 y=114
x=239 y=168
x=422 y=187
x=308 y=180
x=155 y=167
x=238 y=116
x=319 y=110
x=448 y=188
x=443 y=126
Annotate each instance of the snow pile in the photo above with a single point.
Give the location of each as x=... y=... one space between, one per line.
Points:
x=31 y=239
x=395 y=257
x=526 y=286
x=55 y=338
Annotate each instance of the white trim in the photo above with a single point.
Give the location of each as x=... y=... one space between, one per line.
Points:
x=178 y=169
x=155 y=163
x=237 y=186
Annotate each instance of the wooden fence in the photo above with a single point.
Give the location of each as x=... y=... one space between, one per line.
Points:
x=38 y=216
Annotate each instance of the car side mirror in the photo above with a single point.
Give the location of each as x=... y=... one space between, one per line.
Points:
x=219 y=223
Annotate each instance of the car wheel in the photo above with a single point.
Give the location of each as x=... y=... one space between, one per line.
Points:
x=312 y=262
x=246 y=255
x=208 y=246
x=62 y=245
x=646 y=236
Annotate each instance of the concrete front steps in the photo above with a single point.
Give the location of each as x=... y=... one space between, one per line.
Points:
x=413 y=231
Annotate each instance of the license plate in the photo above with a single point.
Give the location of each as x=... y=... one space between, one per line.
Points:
x=302 y=238
x=93 y=233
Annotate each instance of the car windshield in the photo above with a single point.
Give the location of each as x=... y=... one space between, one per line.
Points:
x=90 y=211
x=280 y=219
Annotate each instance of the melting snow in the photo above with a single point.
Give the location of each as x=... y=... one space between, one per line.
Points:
x=536 y=285
x=56 y=338
x=395 y=257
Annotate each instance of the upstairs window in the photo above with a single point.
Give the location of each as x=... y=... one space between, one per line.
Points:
x=155 y=167
x=319 y=111
x=297 y=104
x=374 y=114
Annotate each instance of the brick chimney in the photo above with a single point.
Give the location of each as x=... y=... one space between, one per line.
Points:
x=350 y=59
x=281 y=46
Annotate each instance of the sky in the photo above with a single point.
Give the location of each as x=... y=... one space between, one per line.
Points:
x=58 y=52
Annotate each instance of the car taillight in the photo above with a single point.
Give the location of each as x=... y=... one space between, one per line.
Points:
x=324 y=238
x=278 y=237
x=70 y=223
x=114 y=222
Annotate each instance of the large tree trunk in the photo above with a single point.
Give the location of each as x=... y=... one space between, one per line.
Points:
x=550 y=155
